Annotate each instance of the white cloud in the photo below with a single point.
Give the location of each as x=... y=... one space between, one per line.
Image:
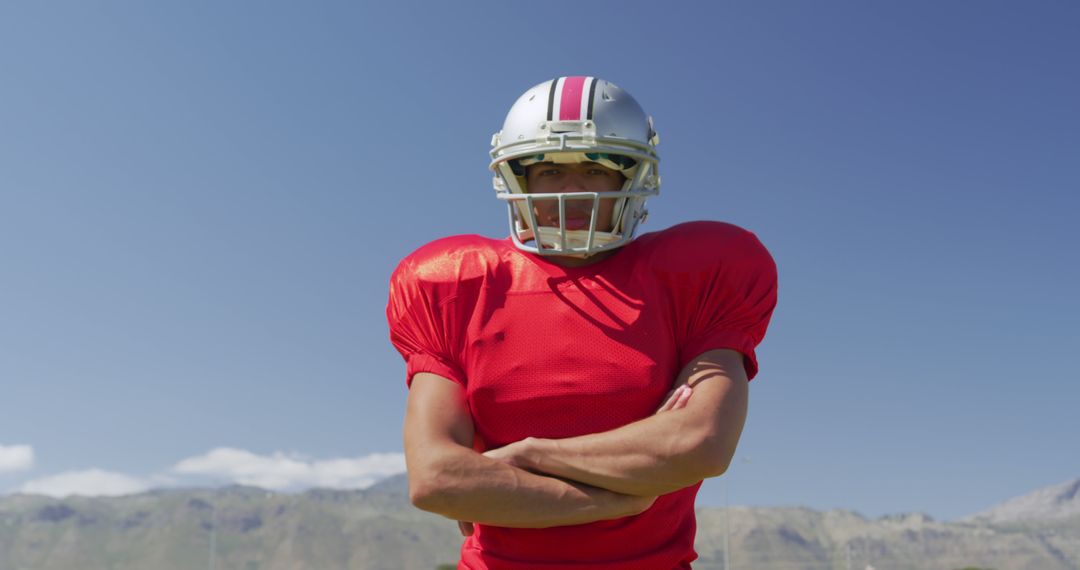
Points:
x=281 y=471
x=91 y=483
x=16 y=458
x=277 y=471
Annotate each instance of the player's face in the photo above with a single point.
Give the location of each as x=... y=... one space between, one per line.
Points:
x=552 y=178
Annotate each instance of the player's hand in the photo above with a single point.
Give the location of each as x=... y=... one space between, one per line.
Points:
x=516 y=453
x=676 y=399
x=512 y=454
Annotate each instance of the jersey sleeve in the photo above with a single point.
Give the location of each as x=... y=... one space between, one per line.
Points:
x=419 y=327
x=727 y=299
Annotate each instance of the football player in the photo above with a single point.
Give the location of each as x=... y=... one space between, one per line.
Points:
x=550 y=373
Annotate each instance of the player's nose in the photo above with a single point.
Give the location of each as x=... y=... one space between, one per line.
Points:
x=573 y=182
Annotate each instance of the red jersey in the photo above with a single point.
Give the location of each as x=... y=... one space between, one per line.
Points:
x=554 y=352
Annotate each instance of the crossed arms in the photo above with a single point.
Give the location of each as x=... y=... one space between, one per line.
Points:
x=537 y=483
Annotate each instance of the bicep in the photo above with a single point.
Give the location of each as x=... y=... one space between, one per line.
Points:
x=436 y=414
x=720 y=398
x=714 y=368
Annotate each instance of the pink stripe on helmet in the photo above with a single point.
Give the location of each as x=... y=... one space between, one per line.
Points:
x=570 y=102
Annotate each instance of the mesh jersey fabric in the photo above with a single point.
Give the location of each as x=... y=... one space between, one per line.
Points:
x=554 y=352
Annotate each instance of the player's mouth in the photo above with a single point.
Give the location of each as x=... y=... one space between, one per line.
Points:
x=577 y=223
x=576 y=220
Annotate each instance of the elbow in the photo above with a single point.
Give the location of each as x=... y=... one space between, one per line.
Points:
x=713 y=456
x=427 y=497
x=717 y=465
x=436 y=491
x=438 y=482
x=421 y=494
x=700 y=457
x=425 y=493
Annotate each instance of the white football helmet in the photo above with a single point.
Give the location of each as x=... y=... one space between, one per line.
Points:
x=575 y=119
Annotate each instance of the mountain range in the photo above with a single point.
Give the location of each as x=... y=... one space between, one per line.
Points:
x=246 y=528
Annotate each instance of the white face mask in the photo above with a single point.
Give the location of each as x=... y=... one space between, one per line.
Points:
x=551 y=240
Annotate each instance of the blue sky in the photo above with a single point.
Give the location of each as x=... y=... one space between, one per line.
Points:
x=200 y=205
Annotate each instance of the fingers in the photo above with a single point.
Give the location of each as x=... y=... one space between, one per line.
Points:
x=503 y=454
x=682 y=397
x=676 y=399
x=669 y=401
x=466 y=528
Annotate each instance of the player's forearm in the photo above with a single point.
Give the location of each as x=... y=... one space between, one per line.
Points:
x=461 y=484
x=654 y=456
x=677 y=447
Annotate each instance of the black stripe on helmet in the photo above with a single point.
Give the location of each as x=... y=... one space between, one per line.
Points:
x=592 y=92
x=551 y=97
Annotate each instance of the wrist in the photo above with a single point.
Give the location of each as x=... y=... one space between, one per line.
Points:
x=532 y=453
